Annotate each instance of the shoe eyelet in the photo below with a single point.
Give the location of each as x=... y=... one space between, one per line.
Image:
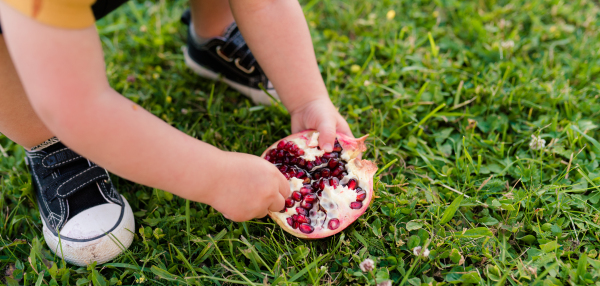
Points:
x=248 y=71
x=228 y=59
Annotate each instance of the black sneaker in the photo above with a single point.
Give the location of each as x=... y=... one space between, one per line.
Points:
x=79 y=206
x=228 y=59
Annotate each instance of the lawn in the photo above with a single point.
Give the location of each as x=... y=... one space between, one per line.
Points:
x=482 y=119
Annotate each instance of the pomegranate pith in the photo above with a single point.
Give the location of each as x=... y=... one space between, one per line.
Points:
x=330 y=190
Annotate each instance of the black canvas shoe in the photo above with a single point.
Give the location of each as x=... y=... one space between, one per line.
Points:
x=228 y=59
x=79 y=206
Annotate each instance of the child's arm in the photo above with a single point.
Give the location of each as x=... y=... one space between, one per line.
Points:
x=63 y=73
x=279 y=38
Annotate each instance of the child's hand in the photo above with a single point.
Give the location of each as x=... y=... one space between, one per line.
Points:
x=247 y=187
x=321 y=115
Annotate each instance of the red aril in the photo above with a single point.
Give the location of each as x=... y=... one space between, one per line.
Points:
x=329 y=190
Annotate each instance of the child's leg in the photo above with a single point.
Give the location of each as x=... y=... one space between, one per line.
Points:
x=210 y=17
x=18 y=121
x=216 y=50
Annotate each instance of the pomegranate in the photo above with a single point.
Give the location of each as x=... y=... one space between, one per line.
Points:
x=329 y=190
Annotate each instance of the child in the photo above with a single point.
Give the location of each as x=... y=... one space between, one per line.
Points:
x=53 y=90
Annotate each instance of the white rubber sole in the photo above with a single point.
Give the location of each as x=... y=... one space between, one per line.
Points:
x=257 y=95
x=100 y=250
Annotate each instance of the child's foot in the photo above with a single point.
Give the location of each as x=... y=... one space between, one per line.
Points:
x=229 y=59
x=79 y=206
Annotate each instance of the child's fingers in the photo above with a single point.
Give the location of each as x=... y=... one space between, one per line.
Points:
x=278 y=204
x=263 y=214
x=284 y=187
x=284 y=192
x=344 y=128
x=326 y=135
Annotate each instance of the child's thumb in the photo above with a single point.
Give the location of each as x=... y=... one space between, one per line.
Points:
x=326 y=135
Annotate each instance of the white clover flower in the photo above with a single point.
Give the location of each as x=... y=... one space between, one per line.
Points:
x=419 y=251
x=507 y=44
x=385 y=283
x=367 y=265
x=537 y=143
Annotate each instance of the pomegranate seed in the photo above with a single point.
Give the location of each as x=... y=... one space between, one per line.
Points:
x=337 y=147
x=281 y=144
x=294 y=148
x=278 y=160
x=315 y=185
x=300 y=174
x=361 y=195
x=321 y=184
x=342 y=175
x=306 y=228
x=296 y=224
x=295 y=217
x=302 y=211
x=356 y=205
x=352 y=184
x=287 y=176
x=300 y=152
x=332 y=164
x=294 y=160
x=288 y=145
x=334 y=182
x=317 y=175
x=297 y=196
x=310 y=165
x=306 y=205
x=290 y=221
x=289 y=203
x=292 y=173
x=358 y=189
x=330 y=155
x=319 y=193
x=273 y=152
x=333 y=223
x=280 y=154
x=283 y=168
x=305 y=191
x=286 y=160
x=301 y=162
x=302 y=219
x=318 y=161
x=325 y=173
x=337 y=171
x=310 y=198
x=268 y=158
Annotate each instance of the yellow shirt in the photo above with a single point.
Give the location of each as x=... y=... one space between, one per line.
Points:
x=72 y=14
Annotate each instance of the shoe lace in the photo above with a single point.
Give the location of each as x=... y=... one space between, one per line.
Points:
x=56 y=163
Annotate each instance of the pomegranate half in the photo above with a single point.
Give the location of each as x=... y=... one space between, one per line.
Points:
x=329 y=190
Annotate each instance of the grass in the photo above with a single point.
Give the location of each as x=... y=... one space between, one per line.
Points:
x=451 y=93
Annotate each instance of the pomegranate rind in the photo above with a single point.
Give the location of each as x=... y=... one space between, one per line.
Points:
x=353 y=147
x=363 y=169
